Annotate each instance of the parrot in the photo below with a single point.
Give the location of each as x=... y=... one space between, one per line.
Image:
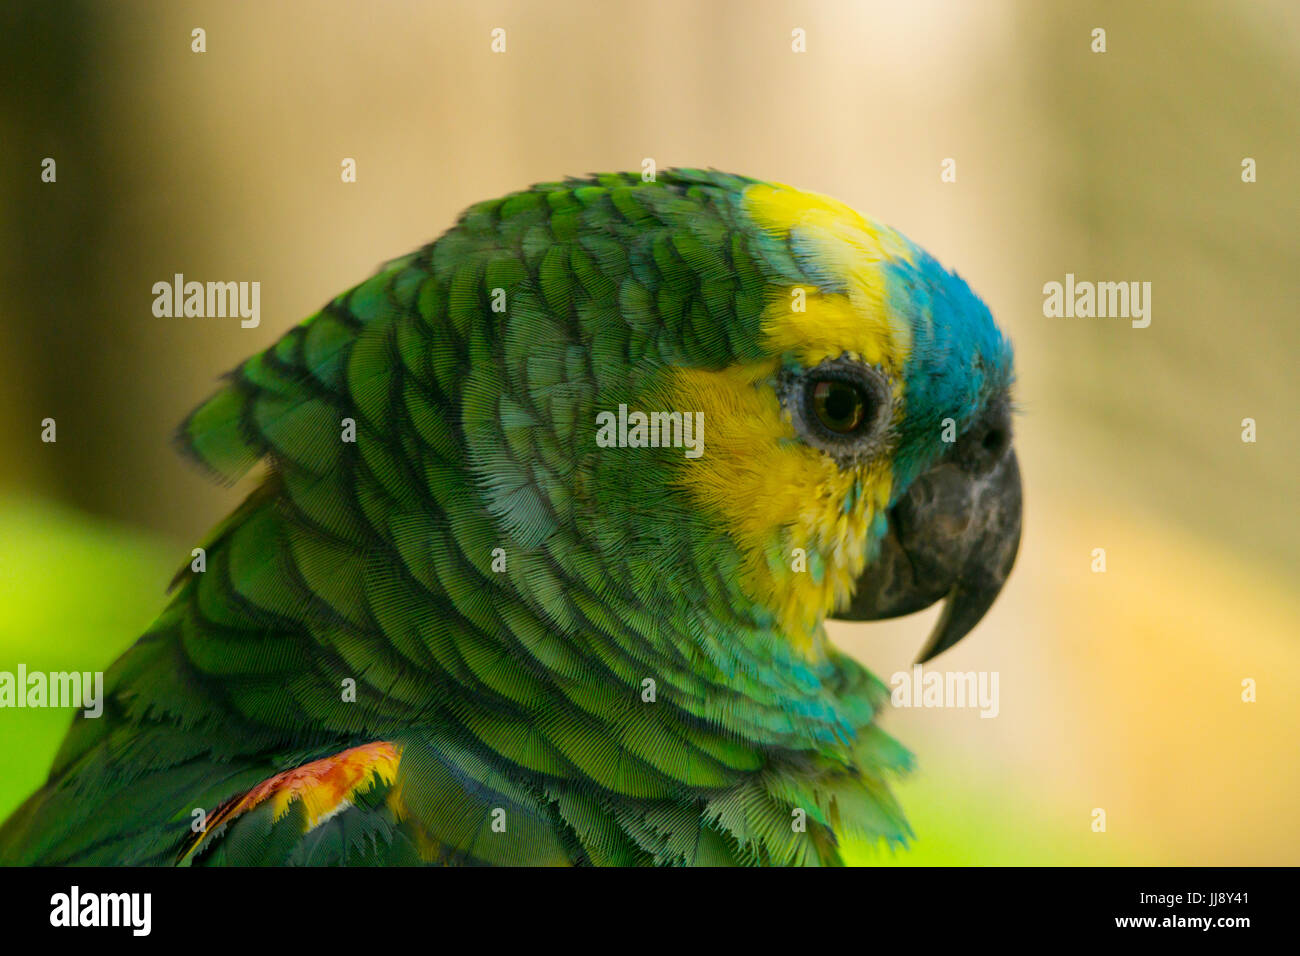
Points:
x=548 y=520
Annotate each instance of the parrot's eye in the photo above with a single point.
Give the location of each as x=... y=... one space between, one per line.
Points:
x=839 y=406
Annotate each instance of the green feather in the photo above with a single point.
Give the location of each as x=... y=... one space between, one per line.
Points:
x=374 y=563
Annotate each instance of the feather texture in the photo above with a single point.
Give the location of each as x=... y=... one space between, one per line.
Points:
x=474 y=585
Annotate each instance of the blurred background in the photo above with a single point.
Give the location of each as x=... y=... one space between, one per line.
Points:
x=1119 y=691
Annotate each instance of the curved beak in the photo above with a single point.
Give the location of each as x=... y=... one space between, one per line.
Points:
x=953 y=536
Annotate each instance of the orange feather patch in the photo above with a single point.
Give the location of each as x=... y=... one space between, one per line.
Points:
x=324 y=786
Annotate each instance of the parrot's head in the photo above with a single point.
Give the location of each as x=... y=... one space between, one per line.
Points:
x=856 y=456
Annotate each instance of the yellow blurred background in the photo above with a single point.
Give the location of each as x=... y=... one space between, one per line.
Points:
x=1119 y=691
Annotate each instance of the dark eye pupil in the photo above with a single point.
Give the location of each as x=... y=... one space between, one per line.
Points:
x=839 y=406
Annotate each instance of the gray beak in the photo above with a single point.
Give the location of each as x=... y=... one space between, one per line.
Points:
x=954 y=535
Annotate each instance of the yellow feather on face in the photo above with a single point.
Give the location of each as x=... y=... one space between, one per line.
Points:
x=850 y=247
x=777 y=497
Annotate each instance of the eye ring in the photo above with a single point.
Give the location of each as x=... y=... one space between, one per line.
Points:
x=841 y=406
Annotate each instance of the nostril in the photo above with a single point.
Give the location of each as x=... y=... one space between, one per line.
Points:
x=995 y=441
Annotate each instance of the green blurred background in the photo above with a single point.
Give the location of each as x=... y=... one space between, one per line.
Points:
x=1118 y=690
